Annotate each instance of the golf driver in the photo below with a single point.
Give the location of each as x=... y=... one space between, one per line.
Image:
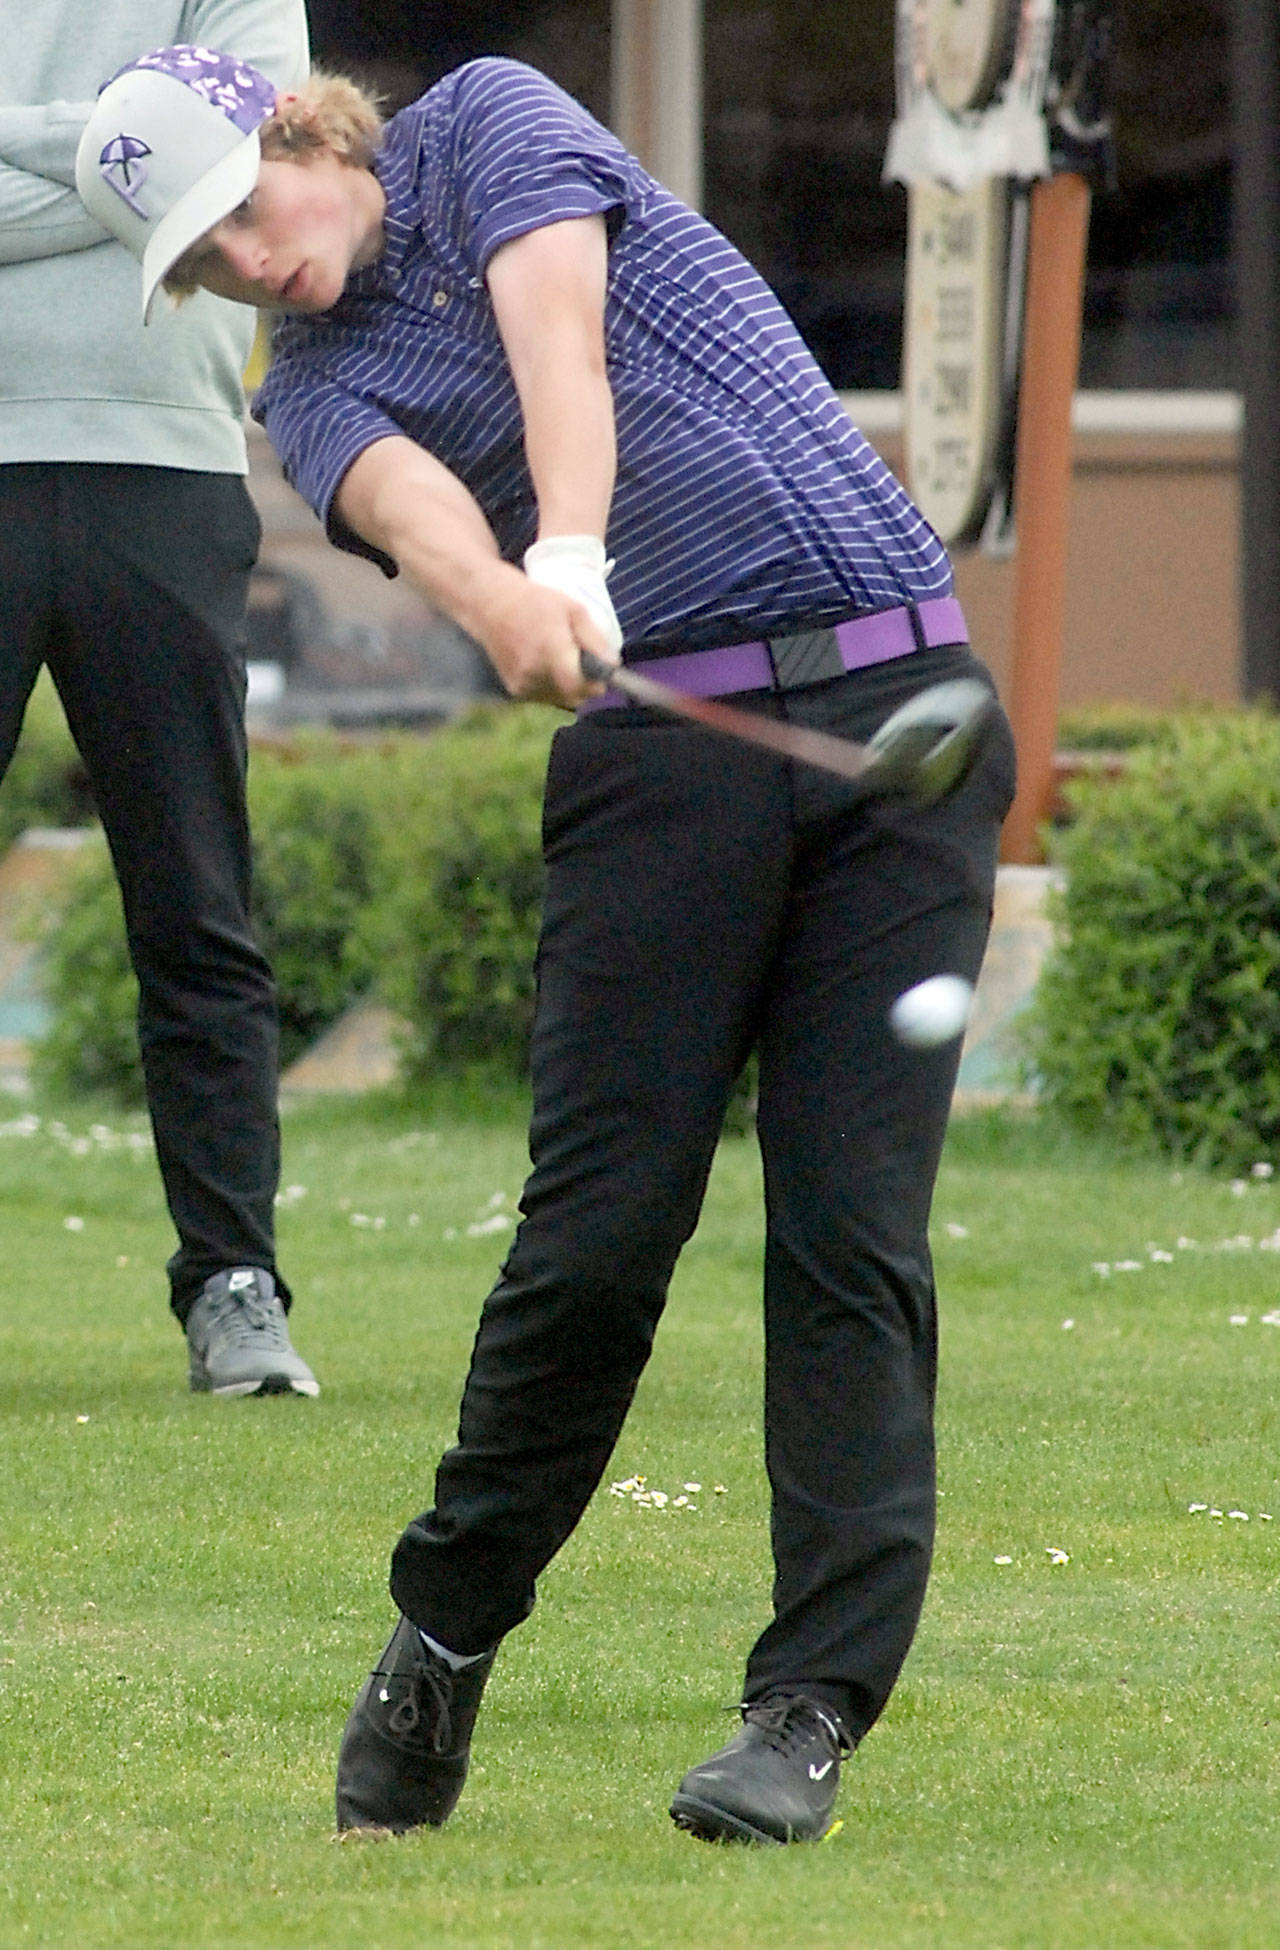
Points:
x=922 y=751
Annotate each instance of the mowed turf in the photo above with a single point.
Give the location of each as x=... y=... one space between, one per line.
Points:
x=1082 y=1751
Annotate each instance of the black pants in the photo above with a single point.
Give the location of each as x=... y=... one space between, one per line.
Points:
x=702 y=898
x=130 y=584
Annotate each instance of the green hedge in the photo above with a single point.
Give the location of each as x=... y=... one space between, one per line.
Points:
x=1157 y=1016
x=410 y=868
x=455 y=930
x=1117 y=727
x=45 y=784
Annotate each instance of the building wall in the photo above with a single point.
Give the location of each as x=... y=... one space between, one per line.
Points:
x=1153 y=606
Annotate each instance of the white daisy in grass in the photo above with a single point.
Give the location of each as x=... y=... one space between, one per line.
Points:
x=1056 y=1555
x=638 y=1490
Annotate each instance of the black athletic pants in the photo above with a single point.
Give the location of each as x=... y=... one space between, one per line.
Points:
x=130 y=584
x=701 y=898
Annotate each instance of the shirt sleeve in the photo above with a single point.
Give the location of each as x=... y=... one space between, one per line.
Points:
x=40 y=213
x=318 y=428
x=525 y=154
x=38 y=218
x=270 y=34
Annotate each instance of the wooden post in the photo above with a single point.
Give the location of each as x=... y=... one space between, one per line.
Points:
x=657 y=89
x=1042 y=490
x=1257 y=215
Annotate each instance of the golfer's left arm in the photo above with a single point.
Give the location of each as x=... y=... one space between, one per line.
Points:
x=548 y=291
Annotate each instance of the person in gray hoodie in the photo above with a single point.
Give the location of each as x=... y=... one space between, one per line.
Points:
x=126 y=540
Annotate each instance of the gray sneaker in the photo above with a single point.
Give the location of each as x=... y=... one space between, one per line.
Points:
x=238 y=1337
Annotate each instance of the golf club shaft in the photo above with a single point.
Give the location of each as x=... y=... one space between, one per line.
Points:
x=839 y=755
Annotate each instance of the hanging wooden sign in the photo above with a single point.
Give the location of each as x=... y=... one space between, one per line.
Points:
x=971 y=77
x=956 y=256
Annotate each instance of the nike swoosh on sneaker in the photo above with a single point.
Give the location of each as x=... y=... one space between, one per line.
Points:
x=819 y=1773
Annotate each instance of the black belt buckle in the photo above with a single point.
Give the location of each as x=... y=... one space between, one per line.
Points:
x=808 y=657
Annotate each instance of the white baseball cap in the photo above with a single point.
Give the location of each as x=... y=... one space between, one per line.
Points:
x=170 y=149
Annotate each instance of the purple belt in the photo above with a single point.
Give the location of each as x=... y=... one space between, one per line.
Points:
x=805 y=657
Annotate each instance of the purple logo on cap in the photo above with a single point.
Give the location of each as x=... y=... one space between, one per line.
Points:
x=243 y=95
x=125 y=166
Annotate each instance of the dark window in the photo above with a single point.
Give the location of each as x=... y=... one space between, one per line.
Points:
x=799 y=98
x=1160 y=307
x=402 y=46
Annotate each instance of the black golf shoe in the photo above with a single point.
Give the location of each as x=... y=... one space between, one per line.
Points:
x=407 y=1741
x=775 y=1781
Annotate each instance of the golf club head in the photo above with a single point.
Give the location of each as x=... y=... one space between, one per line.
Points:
x=924 y=749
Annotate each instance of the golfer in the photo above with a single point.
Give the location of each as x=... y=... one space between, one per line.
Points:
x=517 y=370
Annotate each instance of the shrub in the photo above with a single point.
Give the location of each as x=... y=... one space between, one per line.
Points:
x=412 y=868
x=45 y=784
x=322 y=814
x=92 y=1046
x=1118 y=727
x=455 y=931
x=1157 y=1016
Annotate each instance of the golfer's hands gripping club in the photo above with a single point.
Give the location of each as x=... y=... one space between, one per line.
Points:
x=576 y=567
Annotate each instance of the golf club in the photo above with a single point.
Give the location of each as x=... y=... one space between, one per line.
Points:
x=922 y=751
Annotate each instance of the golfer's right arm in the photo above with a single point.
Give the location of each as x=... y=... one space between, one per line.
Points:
x=403 y=501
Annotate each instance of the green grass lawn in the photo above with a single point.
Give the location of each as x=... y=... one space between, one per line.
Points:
x=1082 y=1750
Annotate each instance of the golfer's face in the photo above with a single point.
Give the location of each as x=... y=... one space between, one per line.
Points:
x=292 y=244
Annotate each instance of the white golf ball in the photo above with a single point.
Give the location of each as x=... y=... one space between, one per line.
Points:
x=932 y=1012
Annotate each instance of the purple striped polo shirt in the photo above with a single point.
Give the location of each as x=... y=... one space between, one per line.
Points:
x=745 y=497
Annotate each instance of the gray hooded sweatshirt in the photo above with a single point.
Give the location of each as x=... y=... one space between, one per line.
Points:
x=80 y=378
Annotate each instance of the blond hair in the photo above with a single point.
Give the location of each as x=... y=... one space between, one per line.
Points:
x=329 y=115
x=328 y=112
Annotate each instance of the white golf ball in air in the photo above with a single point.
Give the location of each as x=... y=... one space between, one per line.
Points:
x=932 y=1012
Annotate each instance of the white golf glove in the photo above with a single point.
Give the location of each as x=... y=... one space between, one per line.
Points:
x=576 y=566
